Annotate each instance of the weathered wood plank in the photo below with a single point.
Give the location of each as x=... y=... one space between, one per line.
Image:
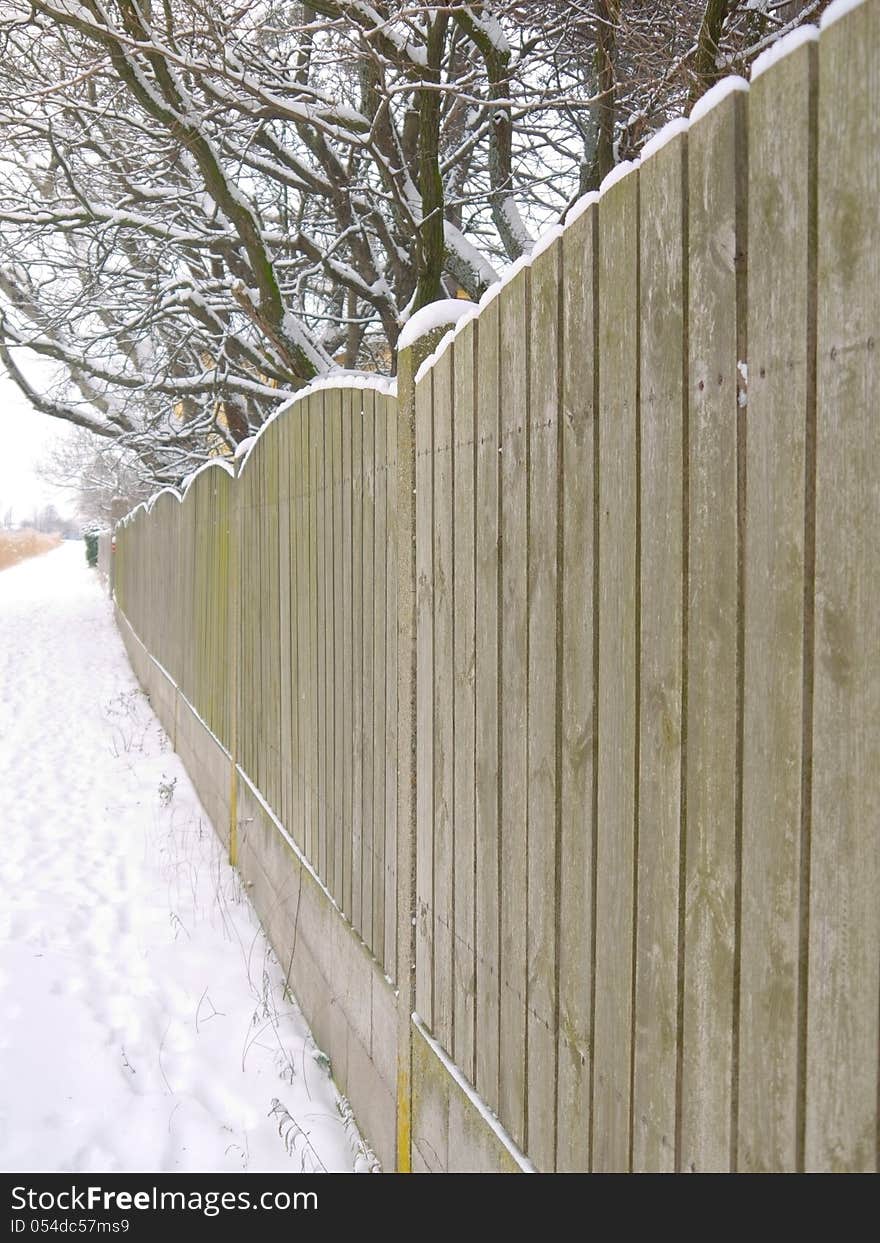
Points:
x=444 y=606
x=319 y=857
x=716 y=425
x=391 y=732
x=578 y=723
x=464 y=660
x=379 y=673
x=781 y=406
x=334 y=878
x=844 y=935
x=514 y=687
x=369 y=602
x=662 y=325
x=274 y=634
x=347 y=733
x=301 y=703
x=357 y=659
x=287 y=634
x=424 y=467
x=543 y=690
x=487 y=692
x=616 y=848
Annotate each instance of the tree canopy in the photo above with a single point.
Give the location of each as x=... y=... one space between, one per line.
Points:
x=204 y=205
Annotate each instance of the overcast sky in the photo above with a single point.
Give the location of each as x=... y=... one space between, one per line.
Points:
x=25 y=437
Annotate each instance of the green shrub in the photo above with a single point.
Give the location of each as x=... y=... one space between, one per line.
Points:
x=91 y=538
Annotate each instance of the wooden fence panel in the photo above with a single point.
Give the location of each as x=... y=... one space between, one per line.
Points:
x=647 y=664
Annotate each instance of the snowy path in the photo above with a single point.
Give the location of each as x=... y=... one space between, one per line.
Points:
x=143 y=1022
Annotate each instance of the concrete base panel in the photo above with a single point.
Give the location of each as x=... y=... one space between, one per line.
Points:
x=452 y=1131
x=349 y=1004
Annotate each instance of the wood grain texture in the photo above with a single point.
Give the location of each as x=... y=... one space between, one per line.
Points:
x=379 y=676
x=424 y=471
x=616 y=858
x=662 y=337
x=368 y=444
x=464 y=662
x=513 y=309
x=543 y=691
x=844 y=935
x=487 y=692
x=781 y=411
x=716 y=191
x=444 y=605
x=578 y=710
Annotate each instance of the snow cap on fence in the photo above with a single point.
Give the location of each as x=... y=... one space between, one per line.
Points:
x=838 y=9
x=715 y=94
x=658 y=141
x=434 y=315
x=335 y=379
x=782 y=47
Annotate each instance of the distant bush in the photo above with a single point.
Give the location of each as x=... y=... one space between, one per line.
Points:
x=91 y=538
x=16 y=546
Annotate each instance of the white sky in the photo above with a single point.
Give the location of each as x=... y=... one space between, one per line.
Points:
x=25 y=437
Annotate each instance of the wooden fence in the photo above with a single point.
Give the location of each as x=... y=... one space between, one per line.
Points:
x=643 y=630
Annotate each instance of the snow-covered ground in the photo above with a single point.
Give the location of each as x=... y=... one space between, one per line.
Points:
x=144 y=1021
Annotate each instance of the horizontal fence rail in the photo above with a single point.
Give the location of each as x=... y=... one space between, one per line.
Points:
x=566 y=657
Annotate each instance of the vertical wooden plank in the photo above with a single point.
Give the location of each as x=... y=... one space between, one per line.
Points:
x=487 y=695
x=844 y=933
x=781 y=404
x=368 y=604
x=348 y=397
x=379 y=672
x=543 y=688
x=357 y=657
x=259 y=608
x=391 y=733
x=335 y=883
x=513 y=623
x=331 y=400
x=444 y=605
x=301 y=706
x=662 y=337
x=616 y=857
x=424 y=438
x=716 y=425
x=319 y=856
x=464 y=664
x=275 y=641
x=578 y=724
x=286 y=651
